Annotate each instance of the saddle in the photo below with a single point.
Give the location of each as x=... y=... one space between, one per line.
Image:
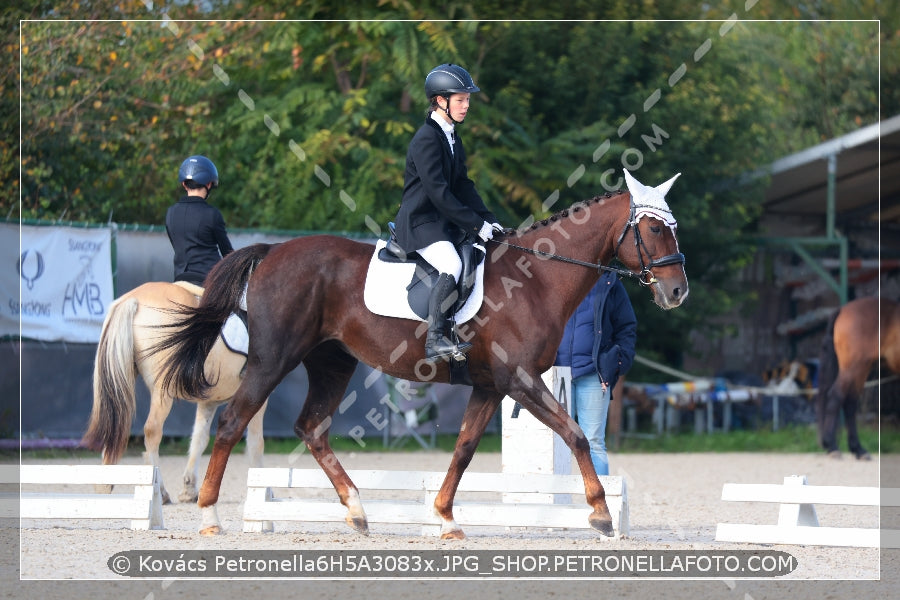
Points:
x=425 y=276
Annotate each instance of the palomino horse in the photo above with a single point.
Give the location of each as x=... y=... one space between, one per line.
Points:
x=129 y=331
x=855 y=340
x=305 y=304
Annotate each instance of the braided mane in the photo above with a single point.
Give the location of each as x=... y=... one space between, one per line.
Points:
x=574 y=208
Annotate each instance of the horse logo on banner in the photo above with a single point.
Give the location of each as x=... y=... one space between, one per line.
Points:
x=38 y=268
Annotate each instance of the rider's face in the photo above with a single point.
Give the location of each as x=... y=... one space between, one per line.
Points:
x=459 y=106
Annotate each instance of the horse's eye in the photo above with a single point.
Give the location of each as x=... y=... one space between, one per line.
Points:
x=655 y=228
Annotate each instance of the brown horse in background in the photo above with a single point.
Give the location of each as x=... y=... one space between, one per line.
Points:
x=130 y=329
x=305 y=304
x=860 y=333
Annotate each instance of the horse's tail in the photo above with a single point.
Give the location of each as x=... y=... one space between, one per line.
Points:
x=827 y=373
x=114 y=383
x=195 y=330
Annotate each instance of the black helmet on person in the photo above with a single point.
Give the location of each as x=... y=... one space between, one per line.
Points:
x=200 y=170
x=447 y=79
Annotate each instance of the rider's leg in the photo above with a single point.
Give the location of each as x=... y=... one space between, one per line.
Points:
x=443 y=257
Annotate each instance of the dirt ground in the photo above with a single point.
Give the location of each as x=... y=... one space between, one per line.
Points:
x=674 y=504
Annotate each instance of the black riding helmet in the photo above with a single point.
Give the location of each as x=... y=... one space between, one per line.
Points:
x=199 y=169
x=447 y=79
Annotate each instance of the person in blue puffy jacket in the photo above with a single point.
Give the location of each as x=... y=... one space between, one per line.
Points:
x=598 y=344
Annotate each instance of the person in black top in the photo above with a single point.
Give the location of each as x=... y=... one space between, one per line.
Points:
x=439 y=201
x=196 y=229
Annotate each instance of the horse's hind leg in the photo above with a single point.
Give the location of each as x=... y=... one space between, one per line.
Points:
x=851 y=405
x=329 y=369
x=830 y=412
x=255 y=441
x=199 y=441
x=255 y=449
x=255 y=388
x=481 y=407
x=843 y=398
x=160 y=406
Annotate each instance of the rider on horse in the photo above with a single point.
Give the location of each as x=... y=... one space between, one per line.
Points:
x=196 y=229
x=440 y=204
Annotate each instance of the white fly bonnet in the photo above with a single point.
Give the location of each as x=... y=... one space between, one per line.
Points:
x=651 y=201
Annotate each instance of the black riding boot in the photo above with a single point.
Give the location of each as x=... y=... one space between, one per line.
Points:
x=437 y=342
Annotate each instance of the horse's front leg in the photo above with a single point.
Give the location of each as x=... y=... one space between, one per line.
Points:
x=481 y=407
x=232 y=423
x=534 y=396
x=199 y=441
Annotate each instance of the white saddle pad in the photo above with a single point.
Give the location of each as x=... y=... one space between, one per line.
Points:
x=385 y=290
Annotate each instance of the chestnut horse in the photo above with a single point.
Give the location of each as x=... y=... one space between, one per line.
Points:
x=860 y=333
x=305 y=304
x=130 y=329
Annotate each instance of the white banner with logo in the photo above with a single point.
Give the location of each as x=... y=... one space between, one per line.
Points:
x=64 y=276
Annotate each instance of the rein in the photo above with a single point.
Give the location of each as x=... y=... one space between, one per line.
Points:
x=645 y=277
x=572 y=261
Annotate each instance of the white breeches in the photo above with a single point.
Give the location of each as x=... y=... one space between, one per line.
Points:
x=443 y=257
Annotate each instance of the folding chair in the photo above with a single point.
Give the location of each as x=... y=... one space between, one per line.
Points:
x=417 y=406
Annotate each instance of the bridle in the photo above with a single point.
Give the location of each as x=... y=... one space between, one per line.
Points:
x=645 y=276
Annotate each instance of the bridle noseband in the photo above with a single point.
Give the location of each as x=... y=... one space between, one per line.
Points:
x=645 y=277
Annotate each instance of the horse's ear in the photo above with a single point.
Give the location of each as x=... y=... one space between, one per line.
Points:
x=634 y=186
x=664 y=188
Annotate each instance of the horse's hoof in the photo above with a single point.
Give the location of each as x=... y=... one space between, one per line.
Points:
x=358 y=524
x=210 y=531
x=863 y=456
x=835 y=454
x=454 y=534
x=603 y=525
x=188 y=498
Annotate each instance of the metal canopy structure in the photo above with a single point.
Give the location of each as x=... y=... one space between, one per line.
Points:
x=850 y=183
x=800 y=181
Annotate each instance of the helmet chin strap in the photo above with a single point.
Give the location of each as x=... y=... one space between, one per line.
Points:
x=447 y=110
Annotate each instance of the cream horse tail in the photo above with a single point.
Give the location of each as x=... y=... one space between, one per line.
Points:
x=114 y=383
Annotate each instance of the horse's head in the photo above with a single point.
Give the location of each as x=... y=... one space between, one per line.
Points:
x=654 y=254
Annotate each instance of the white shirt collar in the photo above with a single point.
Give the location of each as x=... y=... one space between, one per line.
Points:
x=446 y=127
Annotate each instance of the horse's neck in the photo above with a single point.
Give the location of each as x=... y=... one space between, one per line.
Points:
x=587 y=234
x=586 y=231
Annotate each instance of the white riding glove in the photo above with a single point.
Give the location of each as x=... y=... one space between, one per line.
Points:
x=486 y=232
x=497 y=227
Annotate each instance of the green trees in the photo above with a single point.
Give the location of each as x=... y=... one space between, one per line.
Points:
x=308 y=121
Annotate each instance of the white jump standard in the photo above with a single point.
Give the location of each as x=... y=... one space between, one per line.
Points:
x=143 y=507
x=798 y=522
